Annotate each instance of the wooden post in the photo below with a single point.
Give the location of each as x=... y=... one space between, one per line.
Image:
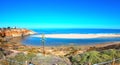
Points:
x=26 y=63
x=89 y=63
x=113 y=61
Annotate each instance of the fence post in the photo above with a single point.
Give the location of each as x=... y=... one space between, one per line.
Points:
x=26 y=63
x=113 y=61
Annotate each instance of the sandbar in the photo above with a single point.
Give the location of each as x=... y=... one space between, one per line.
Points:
x=78 y=36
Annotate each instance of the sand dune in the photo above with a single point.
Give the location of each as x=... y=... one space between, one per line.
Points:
x=77 y=36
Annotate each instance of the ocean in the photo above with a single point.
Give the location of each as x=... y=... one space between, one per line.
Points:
x=36 y=41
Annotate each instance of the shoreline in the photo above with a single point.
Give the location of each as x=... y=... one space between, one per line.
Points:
x=18 y=41
x=16 y=45
x=82 y=46
x=78 y=36
x=66 y=49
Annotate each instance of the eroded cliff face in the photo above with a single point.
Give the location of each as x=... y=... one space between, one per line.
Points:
x=15 y=32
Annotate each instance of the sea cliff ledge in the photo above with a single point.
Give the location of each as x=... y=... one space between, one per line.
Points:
x=15 y=32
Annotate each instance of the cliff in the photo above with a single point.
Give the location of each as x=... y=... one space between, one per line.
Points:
x=14 y=32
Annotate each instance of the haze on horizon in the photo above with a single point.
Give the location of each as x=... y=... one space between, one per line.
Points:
x=60 y=13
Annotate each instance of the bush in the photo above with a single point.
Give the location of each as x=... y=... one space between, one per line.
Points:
x=93 y=57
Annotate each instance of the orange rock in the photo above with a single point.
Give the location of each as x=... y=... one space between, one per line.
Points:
x=15 y=32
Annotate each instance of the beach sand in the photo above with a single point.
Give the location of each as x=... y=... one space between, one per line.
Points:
x=77 y=36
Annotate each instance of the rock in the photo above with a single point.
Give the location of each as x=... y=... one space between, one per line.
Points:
x=15 y=32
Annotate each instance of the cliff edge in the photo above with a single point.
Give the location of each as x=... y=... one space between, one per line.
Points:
x=15 y=32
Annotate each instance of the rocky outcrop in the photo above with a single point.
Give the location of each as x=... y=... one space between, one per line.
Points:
x=17 y=32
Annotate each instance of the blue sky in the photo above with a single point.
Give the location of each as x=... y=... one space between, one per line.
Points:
x=60 y=13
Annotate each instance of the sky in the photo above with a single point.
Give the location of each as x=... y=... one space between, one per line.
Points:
x=60 y=13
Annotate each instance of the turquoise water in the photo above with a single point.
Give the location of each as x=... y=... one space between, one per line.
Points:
x=35 y=41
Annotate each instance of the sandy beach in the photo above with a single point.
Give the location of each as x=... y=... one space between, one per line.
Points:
x=78 y=36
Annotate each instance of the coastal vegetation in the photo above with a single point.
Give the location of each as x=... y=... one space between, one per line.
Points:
x=94 y=57
x=43 y=42
x=12 y=52
x=36 y=55
x=85 y=58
